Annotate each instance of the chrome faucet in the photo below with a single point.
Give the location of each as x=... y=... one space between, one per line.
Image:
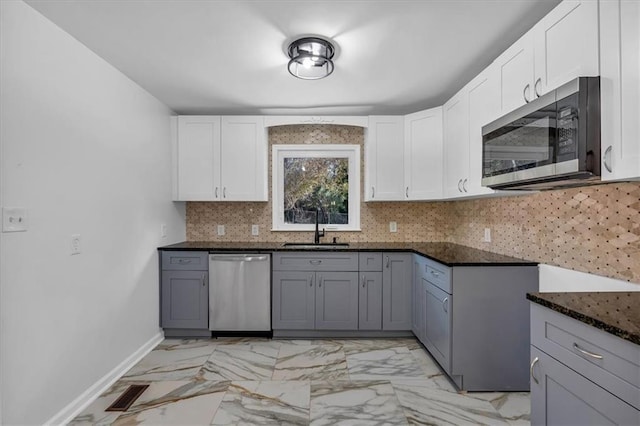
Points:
x=318 y=234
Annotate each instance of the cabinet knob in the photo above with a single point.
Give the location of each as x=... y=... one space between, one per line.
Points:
x=533 y=363
x=525 y=91
x=607 y=159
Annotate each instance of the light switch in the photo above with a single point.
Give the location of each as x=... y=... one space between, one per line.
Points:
x=393 y=226
x=75 y=244
x=255 y=230
x=487 y=235
x=14 y=219
x=220 y=230
x=163 y=230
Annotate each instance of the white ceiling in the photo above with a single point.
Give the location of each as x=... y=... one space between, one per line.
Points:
x=228 y=57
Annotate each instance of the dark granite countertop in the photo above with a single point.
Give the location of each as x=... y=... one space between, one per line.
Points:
x=617 y=313
x=445 y=253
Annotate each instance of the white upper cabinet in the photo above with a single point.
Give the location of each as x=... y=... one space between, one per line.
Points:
x=220 y=159
x=423 y=155
x=243 y=155
x=384 y=162
x=196 y=154
x=484 y=107
x=560 y=47
x=620 y=89
x=456 y=145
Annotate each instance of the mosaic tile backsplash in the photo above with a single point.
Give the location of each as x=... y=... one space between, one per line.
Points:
x=592 y=229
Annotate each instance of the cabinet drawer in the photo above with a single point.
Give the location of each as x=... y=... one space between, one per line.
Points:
x=315 y=261
x=185 y=260
x=439 y=275
x=370 y=262
x=603 y=358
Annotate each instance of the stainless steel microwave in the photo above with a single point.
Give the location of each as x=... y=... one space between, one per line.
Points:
x=551 y=142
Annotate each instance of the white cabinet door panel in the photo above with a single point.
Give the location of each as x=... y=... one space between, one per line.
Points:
x=198 y=156
x=423 y=155
x=515 y=71
x=456 y=145
x=385 y=159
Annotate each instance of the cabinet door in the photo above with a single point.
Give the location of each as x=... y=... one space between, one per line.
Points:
x=566 y=45
x=397 y=277
x=423 y=155
x=185 y=299
x=243 y=168
x=456 y=145
x=336 y=301
x=370 y=301
x=293 y=304
x=198 y=158
x=438 y=324
x=484 y=107
x=560 y=396
x=620 y=89
x=384 y=180
x=515 y=74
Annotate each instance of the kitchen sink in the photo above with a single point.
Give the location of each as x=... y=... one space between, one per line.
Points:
x=315 y=246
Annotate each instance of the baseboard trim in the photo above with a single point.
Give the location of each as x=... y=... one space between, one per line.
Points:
x=76 y=406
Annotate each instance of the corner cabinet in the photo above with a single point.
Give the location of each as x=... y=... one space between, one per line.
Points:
x=620 y=89
x=404 y=157
x=580 y=374
x=560 y=47
x=220 y=158
x=184 y=293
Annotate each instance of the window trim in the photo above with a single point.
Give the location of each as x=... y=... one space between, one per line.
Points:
x=349 y=151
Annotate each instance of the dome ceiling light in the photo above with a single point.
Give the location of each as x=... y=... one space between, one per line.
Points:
x=311 y=58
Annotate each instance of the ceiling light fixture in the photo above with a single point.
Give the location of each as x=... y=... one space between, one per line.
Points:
x=311 y=58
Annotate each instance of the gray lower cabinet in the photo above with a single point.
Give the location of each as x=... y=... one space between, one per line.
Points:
x=336 y=301
x=397 y=278
x=474 y=322
x=184 y=291
x=370 y=301
x=307 y=300
x=293 y=304
x=580 y=374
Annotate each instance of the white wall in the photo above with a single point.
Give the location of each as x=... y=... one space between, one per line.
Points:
x=86 y=151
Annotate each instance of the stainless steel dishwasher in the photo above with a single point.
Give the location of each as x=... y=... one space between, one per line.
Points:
x=240 y=292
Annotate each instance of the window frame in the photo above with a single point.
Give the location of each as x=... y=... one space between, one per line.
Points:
x=281 y=151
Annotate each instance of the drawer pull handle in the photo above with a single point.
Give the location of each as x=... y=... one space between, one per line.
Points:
x=435 y=274
x=183 y=261
x=533 y=363
x=444 y=304
x=315 y=262
x=582 y=351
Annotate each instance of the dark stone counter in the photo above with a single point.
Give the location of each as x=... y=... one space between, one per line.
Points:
x=617 y=313
x=445 y=253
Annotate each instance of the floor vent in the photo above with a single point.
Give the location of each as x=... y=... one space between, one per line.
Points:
x=127 y=398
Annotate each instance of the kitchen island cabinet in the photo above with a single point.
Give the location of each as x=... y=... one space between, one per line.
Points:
x=585 y=358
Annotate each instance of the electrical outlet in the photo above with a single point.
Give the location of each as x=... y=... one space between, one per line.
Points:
x=163 y=230
x=75 y=244
x=487 y=235
x=255 y=230
x=14 y=219
x=393 y=226
x=220 y=230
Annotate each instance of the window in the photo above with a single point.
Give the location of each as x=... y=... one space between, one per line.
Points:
x=310 y=180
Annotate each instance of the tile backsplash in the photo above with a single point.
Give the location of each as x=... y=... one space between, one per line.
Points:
x=592 y=229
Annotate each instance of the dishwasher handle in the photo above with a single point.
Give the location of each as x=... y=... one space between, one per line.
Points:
x=238 y=258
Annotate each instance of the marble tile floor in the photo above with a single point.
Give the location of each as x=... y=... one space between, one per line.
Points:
x=250 y=381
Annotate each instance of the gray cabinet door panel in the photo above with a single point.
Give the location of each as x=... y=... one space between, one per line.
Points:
x=370 y=261
x=418 y=325
x=370 y=306
x=560 y=396
x=293 y=300
x=438 y=324
x=397 y=277
x=185 y=260
x=185 y=299
x=336 y=301
x=303 y=261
